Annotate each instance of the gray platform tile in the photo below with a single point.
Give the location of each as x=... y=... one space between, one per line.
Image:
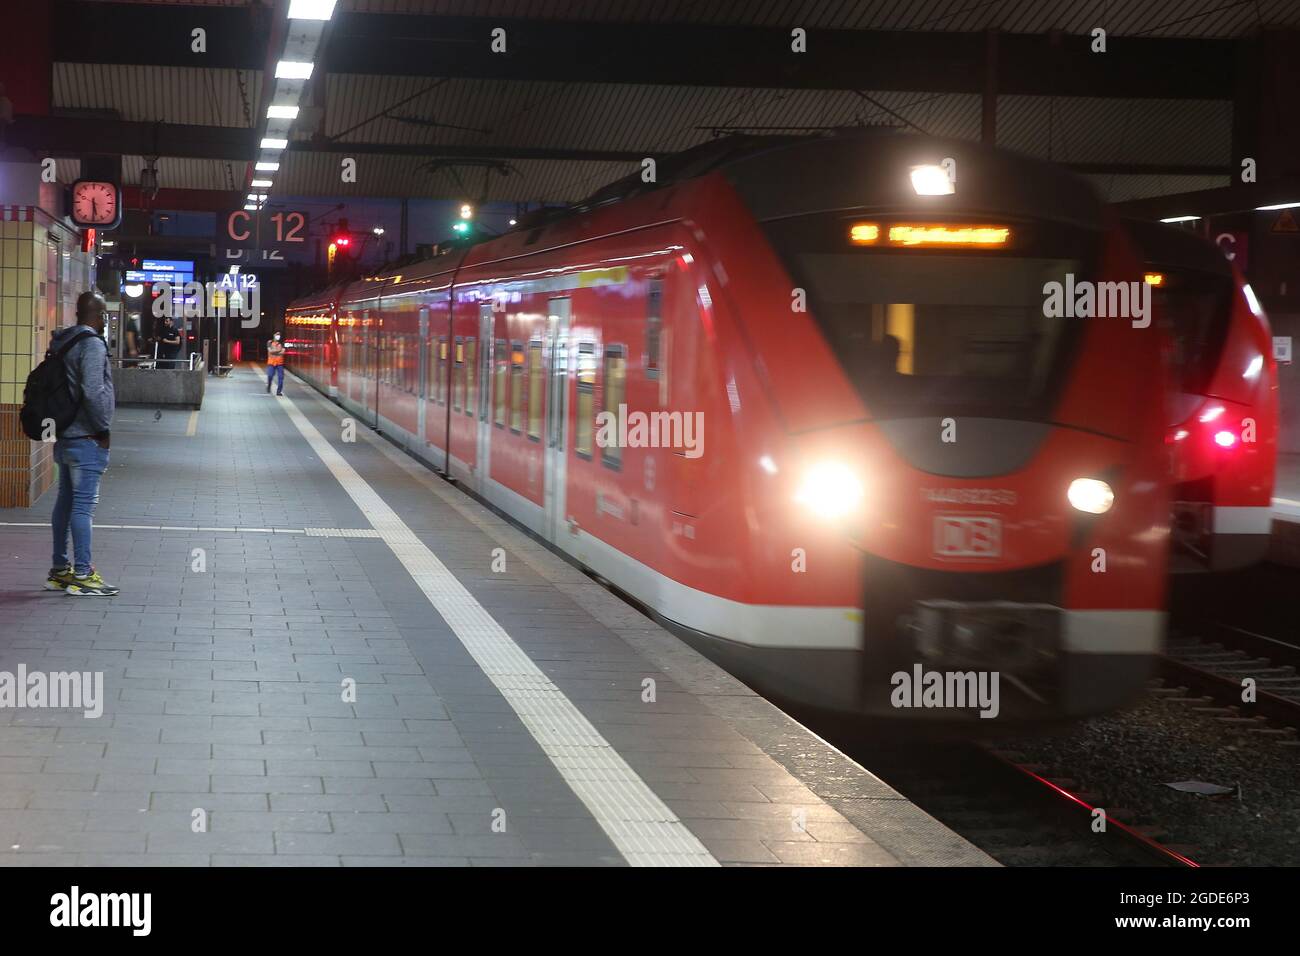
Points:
x=212 y=802
x=293 y=860
x=321 y=767
x=14 y=821
x=143 y=859
x=271 y=783
x=499 y=845
x=245 y=842
x=287 y=822
x=391 y=822
x=75 y=841
x=385 y=754
x=313 y=738
x=343 y=803
x=739 y=851
x=443 y=770
x=352 y=844
x=832 y=854
x=382 y=785
x=19 y=859
x=47 y=781
x=140 y=821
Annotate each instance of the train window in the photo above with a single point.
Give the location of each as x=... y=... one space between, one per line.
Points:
x=653 y=327
x=432 y=371
x=516 y=386
x=585 y=412
x=935 y=331
x=442 y=370
x=535 y=382
x=471 y=369
x=499 y=411
x=1196 y=308
x=612 y=396
x=413 y=364
x=458 y=374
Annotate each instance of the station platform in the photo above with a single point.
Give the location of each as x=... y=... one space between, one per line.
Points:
x=498 y=718
x=1284 y=545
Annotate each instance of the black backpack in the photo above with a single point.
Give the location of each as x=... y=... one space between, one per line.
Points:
x=49 y=395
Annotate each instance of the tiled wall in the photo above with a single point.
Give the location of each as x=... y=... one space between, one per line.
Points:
x=42 y=271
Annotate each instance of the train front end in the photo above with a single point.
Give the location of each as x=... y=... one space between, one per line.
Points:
x=979 y=470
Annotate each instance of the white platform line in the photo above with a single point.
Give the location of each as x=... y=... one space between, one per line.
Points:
x=638 y=823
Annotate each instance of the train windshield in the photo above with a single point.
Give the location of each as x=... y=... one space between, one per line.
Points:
x=925 y=330
x=1196 y=307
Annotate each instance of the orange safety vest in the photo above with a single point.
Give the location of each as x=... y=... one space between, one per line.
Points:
x=274 y=357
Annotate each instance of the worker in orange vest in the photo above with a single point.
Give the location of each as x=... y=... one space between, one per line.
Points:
x=275 y=365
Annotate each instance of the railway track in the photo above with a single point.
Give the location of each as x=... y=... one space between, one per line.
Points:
x=1020 y=813
x=1213 y=661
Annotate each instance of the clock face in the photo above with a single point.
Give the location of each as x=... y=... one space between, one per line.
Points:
x=94 y=203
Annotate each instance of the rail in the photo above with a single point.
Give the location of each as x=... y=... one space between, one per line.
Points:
x=144 y=361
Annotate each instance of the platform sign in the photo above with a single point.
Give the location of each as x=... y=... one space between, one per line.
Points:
x=174 y=271
x=264 y=238
x=1282 y=349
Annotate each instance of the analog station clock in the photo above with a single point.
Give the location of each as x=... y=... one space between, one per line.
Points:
x=96 y=204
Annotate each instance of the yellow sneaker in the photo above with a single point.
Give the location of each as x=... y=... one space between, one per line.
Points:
x=59 y=579
x=90 y=585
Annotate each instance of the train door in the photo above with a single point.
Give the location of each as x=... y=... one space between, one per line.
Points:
x=484 y=446
x=365 y=363
x=557 y=408
x=423 y=390
x=373 y=371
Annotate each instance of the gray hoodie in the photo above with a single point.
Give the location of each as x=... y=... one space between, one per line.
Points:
x=90 y=378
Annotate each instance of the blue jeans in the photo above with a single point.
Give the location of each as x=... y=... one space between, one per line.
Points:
x=81 y=465
x=271 y=372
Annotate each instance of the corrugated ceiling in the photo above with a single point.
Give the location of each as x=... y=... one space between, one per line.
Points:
x=659 y=119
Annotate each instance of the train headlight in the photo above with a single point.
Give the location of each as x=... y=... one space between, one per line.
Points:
x=1091 y=495
x=932 y=181
x=830 y=490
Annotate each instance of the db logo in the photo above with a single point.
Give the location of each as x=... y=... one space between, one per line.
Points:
x=967 y=536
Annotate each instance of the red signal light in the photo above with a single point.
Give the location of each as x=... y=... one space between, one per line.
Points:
x=342 y=241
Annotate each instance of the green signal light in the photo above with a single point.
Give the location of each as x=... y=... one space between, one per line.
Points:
x=461 y=227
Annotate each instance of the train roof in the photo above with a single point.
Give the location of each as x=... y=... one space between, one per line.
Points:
x=1166 y=245
x=783 y=175
x=318 y=298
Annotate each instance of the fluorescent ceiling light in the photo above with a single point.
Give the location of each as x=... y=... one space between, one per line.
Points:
x=292 y=70
x=250 y=207
x=254 y=197
x=270 y=142
x=282 y=112
x=261 y=184
x=267 y=167
x=311 y=9
x=1281 y=205
x=1181 y=219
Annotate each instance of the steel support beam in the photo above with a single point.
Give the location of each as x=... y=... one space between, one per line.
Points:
x=671 y=54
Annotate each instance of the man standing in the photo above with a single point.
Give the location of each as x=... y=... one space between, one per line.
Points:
x=275 y=364
x=81 y=451
x=169 y=341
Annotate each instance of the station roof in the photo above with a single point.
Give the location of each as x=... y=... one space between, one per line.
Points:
x=409 y=89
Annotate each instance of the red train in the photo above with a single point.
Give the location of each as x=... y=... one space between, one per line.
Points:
x=1224 y=413
x=803 y=400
